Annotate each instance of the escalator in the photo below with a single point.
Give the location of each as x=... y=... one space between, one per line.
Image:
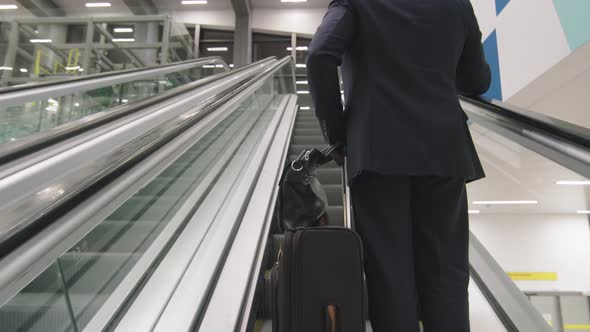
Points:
x=161 y=219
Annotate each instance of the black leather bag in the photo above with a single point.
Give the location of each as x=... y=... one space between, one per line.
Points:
x=302 y=201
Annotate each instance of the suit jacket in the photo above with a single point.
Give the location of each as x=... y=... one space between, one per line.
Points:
x=403 y=64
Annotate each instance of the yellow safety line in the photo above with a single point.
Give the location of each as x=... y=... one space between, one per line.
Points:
x=547 y=276
x=577 y=326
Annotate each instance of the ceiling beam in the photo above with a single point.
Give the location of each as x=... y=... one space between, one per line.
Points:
x=142 y=7
x=242 y=7
x=243 y=32
x=42 y=8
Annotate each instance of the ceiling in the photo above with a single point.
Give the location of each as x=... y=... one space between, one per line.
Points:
x=118 y=7
x=176 y=5
x=516 y=173
x=278 y=5
x=78 y=8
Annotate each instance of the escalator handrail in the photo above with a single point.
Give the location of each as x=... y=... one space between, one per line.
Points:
x=114 y=164
x=20 y=94
x=32 y=143
x=566 y=131
x=107 y=74
x=208 y=277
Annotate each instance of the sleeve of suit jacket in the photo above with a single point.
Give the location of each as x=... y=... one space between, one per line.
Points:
x=332 y=39
x=473 y=72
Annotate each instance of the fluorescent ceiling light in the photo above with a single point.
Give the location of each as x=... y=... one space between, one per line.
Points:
x=231 y=65
x=5 y=68
x=217 y=49
x=98 y=4
x=8 y=7
x=77 y=104
x=293 y=0
x=73 y=68
x=123 y=40
x=124 y=100
x=122 y=30
x=302 y=82
x=194 y=2
x=23 y=70
x=302 y=92
x=304 y=108
x=474 y=212
x=573 y=183
x=81 y=69
x=505 y=202
x=584 y=212
x=298 y=48
x=209 y=66
x=40 y=40
x=300 y=65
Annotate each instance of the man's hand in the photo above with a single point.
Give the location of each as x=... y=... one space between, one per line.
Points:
x=338 y=155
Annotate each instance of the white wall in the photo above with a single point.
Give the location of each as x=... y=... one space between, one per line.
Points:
x=539 y=243
x=561 y=92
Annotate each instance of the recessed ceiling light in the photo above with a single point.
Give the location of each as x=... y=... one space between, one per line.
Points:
x=97 y=4
x=302 y=82
x=231 y=65
x=77 y=104
x=8 y=7
x=302 y=92
x=217 y=49
x=122 y=30
x=194 y=2
x=123 y=40
x=584 y=212
x=23 y=70
x=36 y=41
x=298 y=48
x=573 y=183
x=301 y=65
x=505 y=202
x=305 y=108
x=5 y=68
x=474 y=212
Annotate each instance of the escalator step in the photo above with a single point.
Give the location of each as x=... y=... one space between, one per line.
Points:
x=309 y=140
x=298 y=131
x=334 y=193
x=336 y=215
x=329 y=176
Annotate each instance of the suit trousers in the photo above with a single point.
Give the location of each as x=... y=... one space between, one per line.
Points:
x=415 y=235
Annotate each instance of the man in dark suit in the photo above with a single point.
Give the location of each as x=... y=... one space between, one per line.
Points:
x=410 y=153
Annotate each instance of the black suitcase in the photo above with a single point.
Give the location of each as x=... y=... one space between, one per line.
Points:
x=318 y=282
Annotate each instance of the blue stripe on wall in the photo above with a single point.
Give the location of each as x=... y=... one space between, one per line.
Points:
x=500 y=4
x=490 y=46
